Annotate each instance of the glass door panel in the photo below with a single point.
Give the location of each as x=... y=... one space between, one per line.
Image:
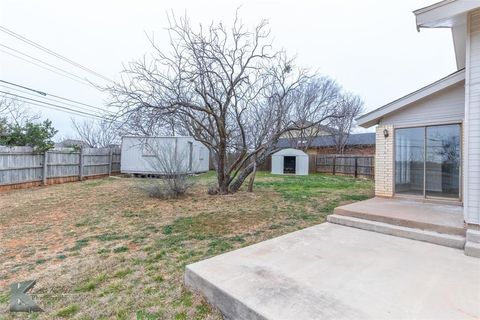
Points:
x=409 y=160
x=443 y=161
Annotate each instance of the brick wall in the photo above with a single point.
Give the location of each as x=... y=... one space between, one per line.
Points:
x=384 y=162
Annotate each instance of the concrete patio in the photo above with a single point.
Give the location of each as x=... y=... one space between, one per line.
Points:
x=335 y=272
x=438 y=217
x=437 y=223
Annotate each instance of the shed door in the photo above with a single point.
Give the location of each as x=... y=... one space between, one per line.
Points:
x=289 y=164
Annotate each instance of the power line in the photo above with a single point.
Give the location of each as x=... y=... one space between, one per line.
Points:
x=51 y=52
x=56 y=109
x=46 y=63
x=69 y=110
x=26 y=88
x=45 y=94
x=39 y=65
x=53 y=100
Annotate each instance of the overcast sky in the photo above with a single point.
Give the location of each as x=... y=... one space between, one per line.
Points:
x=371 y=48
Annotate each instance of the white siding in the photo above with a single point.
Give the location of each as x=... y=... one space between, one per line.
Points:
x=472 y=123
x=445 y=106
x=140 y=154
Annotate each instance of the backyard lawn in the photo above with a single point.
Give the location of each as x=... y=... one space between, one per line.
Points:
x=105 y=249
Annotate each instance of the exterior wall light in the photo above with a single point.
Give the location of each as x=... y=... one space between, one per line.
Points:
x=385 y=133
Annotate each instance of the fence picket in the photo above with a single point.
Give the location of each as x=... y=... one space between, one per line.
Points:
x=355 y=165
x=21 y=165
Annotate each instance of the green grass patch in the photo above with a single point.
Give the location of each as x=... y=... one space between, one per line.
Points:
x=111 y=237
x=79 y=244
x=181 y=316
x=218 y=246
x=120 y=249
x=4 y=297
x=91 y=284
x=122 y=273
x=144 y=315
x=68 y=311
x=103 y=251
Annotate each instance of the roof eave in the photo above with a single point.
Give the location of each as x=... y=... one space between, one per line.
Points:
x=444 y=14
x=372 y=118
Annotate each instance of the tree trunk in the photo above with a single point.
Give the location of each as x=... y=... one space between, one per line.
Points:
x=237 y=183
x=222 y=178
x=252 y=177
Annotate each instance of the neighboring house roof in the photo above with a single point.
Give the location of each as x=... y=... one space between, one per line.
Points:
x=372 y=118
x=358 y=139
x=71 y=142
x=310 y=125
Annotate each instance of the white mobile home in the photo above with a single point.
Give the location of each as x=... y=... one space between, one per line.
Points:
x=163 y=155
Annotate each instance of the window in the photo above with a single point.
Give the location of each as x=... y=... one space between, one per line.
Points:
x=427 y=161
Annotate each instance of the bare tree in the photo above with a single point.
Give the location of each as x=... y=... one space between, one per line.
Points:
x=172 y=165
x=348 y=107
x=14 y=112
x=97 y=134
x=224 y=86
x=319 y=93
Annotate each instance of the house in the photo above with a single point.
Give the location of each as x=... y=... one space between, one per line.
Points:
x=428 y=142
x=311 y=130
x=356 y=144
x=290 y=161
x=68 y=143
x=154 y=155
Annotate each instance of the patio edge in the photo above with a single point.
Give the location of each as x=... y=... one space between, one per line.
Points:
x=230 y=307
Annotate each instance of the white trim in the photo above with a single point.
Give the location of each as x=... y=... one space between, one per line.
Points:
x=444 y=14
x=372 y=118
x=466 y=123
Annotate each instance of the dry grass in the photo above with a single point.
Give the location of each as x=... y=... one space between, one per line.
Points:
x=104 y=249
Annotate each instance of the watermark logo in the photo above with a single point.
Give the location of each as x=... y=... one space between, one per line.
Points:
x=19 y=300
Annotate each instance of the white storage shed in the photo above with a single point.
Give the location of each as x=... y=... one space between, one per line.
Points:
x=162 y=155
x=290 y=161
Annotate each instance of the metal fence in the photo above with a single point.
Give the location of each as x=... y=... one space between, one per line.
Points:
x=23 y=167
x=353 y=165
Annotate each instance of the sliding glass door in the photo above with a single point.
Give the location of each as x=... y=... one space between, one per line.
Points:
x=443 y=161
x=427 y=161
x=410 y=159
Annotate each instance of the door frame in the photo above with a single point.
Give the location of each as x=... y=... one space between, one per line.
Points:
x=394 y=157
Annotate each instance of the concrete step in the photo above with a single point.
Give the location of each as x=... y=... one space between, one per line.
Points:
x=447 y=240
x=472 y=249
x=437 y=227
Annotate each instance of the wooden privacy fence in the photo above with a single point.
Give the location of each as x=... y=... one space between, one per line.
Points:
x=21 y=167
x=354 y=165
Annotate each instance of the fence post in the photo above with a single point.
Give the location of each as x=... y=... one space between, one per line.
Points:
x=356 y=167
x=110 y=163
x=80 y=164
x=45 y=168
x=334 y=163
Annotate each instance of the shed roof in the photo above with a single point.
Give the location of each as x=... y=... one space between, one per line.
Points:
x=290 y=152
x=357 y=139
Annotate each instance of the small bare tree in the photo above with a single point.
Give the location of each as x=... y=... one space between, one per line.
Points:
x=173 y=166
x=348 y=107
x=14 y=112
x=320 y=93
x=97 y=134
